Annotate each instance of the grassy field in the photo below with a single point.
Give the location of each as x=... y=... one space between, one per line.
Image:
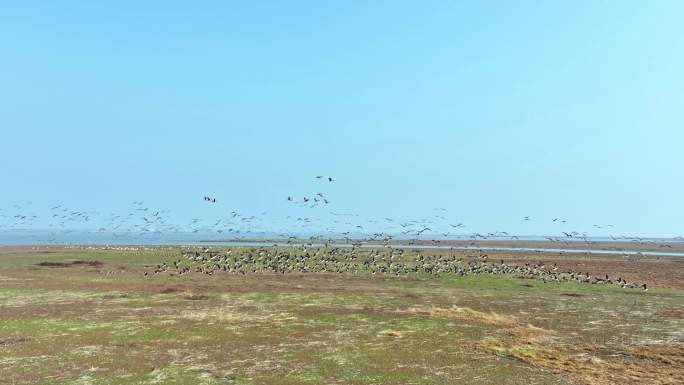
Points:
x=89 y=316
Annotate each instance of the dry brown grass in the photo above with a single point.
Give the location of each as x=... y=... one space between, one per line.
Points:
x=189 y=295
x=588 y=364
x=592 y=364
x=465 y=314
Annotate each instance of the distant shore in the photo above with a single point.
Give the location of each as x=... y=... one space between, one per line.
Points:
x=617 y=246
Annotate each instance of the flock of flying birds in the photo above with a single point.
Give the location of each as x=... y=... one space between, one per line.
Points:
x=312 y=201
x=143 y=220
x=318 y=253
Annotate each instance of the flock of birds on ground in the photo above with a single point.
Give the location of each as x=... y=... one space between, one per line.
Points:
x=392 y=262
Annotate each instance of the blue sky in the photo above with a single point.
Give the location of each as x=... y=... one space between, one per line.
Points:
x=491 y=110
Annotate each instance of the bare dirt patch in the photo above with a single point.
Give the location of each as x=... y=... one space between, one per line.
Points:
x=672 y=313
x=88 y=263
x=572 y=295
x=170 y=290
x=70 y=264
x=53 y=264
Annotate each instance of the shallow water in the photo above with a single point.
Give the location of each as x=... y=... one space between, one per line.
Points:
x=45 y=238
x=483 y=248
